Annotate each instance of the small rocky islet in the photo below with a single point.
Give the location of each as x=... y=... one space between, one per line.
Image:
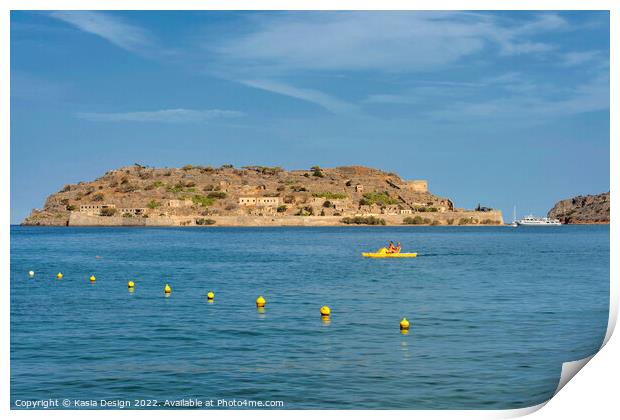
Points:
x=583 y=209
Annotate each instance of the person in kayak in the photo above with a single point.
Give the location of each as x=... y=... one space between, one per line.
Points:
x=391 y=248
x=397 y=249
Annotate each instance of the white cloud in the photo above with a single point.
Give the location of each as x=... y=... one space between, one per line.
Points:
x=164 y=116
x=576 y=58
x=508 y=97
x=112 y=28
x=539 y=103
x=385 y=41
x=310 y=95
x=392 y=98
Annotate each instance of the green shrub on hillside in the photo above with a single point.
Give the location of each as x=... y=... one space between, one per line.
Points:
x=361 y=220
x=330 y=195
x=108 y=211
x=382 y=198
x=153 y=204
x=423 y=209
x=175 y=188
x=266 y=170
x=416 y=220
x=201 y=221
x=305 y=211
x=203 y=201
x=316 y=171
x=217 y=194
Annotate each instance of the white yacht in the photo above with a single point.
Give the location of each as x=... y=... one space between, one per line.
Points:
x=514 y=217
x=538 y=221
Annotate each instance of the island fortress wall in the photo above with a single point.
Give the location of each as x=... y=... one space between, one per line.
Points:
x=446 y=218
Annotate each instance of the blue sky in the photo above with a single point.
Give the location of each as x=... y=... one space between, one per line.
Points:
x=501 y=108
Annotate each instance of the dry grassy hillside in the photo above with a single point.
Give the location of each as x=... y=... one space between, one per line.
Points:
x=138 y=191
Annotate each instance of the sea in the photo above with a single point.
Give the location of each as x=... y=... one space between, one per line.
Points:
x=493 y=312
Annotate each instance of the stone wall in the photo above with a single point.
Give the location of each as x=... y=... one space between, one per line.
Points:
x=454 y=218
x=417 y=185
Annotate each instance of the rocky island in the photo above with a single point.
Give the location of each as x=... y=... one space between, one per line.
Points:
x=252 y=196
x=583 y=209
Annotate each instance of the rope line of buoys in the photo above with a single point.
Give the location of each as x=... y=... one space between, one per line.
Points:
x=260 y=301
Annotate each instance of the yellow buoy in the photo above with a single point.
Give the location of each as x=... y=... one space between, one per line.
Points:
x=130 y=284
x=93 y=278
x=59 y=276
x=325 y=311
x=31 y=273
x=210 y=295
x=404 y=324
x=260 y=302
x=167 y=289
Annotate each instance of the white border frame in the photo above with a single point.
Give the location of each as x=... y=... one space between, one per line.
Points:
x=596 y=385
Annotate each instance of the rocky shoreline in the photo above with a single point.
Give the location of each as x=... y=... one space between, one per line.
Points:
x=583 y=209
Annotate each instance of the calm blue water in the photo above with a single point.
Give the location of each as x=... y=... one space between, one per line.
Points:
x=494 y=312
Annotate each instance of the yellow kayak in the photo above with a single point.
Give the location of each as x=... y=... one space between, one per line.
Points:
x=379 y=255
x=382 y=253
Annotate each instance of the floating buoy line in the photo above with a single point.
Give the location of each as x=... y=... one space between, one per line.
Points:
x=325 y=311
